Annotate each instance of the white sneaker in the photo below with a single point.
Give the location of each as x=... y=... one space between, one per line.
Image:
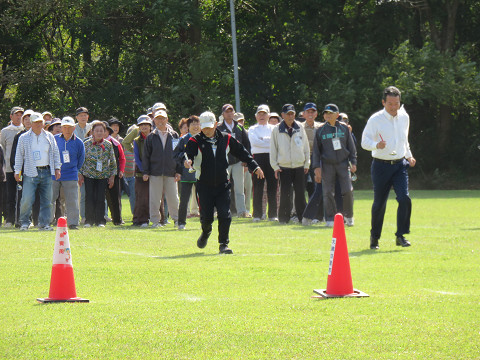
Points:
x=87 y=225
x=294 y=220
x=101 y=225
x=256 y=219
x=45 y=228
x=273 y=219
x=7 y=225
x=144 y=225
x=316 y=221
x=329 y=224
x=306 y=221
x=24 y=227
x=156 y=225
x=108 y=219
x=349 y=221
x=181 y=227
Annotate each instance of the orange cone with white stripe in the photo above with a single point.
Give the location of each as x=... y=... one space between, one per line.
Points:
x=339 y=281
x=62 y=282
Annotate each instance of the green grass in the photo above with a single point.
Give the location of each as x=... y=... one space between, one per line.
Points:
x=153 y=294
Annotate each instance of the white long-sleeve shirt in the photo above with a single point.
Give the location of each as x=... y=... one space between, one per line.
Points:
x=259 y=136
x=391 y=129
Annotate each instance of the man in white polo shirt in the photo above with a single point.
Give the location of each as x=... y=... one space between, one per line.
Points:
x=38 y=153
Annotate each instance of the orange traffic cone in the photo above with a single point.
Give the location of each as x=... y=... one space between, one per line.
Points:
x=62 y=283
x=339 y=282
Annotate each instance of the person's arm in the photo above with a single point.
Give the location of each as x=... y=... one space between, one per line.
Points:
x=121 y=160
x=80 y=153
x=147 y=151
x=128 y=140
x=352 y=157
x=306 y=150
x=136 y=154
x=13 y=152
x=370 y=138
x=273 y=151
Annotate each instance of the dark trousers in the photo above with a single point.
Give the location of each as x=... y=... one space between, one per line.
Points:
x=263 y=160
x=209 y=198
x=114 y=200
x=95 y=201
x=11 y=205
x=3 y=201
x=288 y=178
x=384 y=176
x=141 y=212
x=185 y=192
x=314 y=208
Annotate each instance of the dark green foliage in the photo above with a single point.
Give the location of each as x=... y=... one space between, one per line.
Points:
x=119 y=57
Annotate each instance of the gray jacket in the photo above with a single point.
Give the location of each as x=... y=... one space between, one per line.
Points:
x=157 y=160
x=323 y=150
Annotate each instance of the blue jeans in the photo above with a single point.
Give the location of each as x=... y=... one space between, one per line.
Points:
x=42 y=183
x=131 y=197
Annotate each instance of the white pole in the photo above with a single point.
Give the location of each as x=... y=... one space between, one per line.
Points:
x=235 y=60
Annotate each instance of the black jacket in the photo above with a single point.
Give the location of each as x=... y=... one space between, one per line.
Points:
x=212 y=169
x=239 y=133
x=159 y=161
x=180 y=157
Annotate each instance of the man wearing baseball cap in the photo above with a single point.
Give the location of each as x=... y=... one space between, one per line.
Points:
x=207 y=153
x=7 y=136
x=334 y=156
x=290 y=159
x=38 y=155
x=235 y=168
x=72 y=156
x=81 y=130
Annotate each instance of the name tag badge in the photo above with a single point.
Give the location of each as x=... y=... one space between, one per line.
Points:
x=66 y=156
x=336 y=144
x=37 y=155
x=99 y=166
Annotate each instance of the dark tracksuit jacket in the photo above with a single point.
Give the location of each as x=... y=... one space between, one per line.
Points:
x=213 y=186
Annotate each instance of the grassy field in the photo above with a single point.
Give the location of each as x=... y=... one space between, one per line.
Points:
x=153 y=294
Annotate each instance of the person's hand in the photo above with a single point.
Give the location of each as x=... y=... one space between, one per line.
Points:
x=353 y=168
x=187 y=164
x=81 y=179
x=111 y=180
x=58 y=174
x=178 y=177
x=412 y=161
x=318 y=175
x=381 y=144
x=145 y=177
x=277 y=173
x=259 y=173
x=17 y=177
x=305 y=170
x=120 y=174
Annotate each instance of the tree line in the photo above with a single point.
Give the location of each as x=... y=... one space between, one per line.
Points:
x=119 y=57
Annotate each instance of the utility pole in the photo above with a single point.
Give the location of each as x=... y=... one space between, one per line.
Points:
x=235 y=60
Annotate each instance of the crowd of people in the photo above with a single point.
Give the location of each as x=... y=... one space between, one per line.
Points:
x=53 y=167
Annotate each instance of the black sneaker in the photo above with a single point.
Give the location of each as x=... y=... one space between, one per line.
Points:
x=224 y=249
x=73 y=227
x=373 y=243
x=401 y=241
x=203 y=239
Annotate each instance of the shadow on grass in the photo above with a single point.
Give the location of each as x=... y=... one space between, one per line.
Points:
x=185 y=256
x=470 y=229
x=372 y=252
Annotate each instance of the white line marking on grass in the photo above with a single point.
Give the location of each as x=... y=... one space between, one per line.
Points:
x=444 y=292
x=191 y=298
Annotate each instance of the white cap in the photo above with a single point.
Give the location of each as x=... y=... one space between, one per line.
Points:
x=47 y=113
x=27 y=112
x=68 y=121
x=207 y=120
x=36 y=116
x=161 y=113
x=263 y=108
x=144 y=119
x=158 y=106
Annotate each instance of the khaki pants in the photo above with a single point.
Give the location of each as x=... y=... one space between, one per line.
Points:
x=160 y=185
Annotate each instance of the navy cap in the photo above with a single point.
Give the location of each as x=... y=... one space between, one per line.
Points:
x=331 y=108
x=226 y=107
x=82 y=110
x=287 y=108
x=310 y=105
